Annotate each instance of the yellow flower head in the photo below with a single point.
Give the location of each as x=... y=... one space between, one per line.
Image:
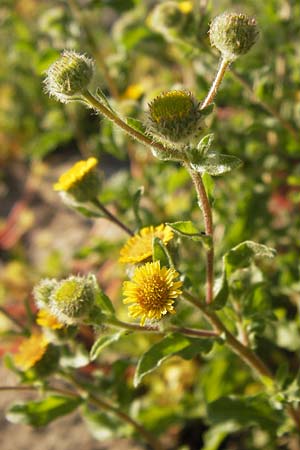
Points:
x=81 y=180
x=152 y=292
x=133 y=92
x=139 y=247
x=185 y=7
x=47 y=320
x=31 y=351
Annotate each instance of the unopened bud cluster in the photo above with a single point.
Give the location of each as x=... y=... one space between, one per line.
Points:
x=233 y=34
x=69 y=75
x=174 y=117
x=69 y=300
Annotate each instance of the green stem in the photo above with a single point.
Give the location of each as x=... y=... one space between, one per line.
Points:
x=150 y=329
x=107 y=406
x=224 y=64
x=208 y=224
x=94 y=103
x=245 y=353
x=111 y=217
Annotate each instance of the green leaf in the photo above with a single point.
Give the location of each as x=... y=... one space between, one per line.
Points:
x=40 y=413
x=243 y=254
x=136 y=205
x=136 y=124
x=209 y=186
x=104 y=303
x=208 y=109
x=160 y=253
x=87 y=212
x=173 y=344
x=188 y=229
x=102 y=426
x=205 y=143
x=217 y=164
x=196 y=155
x=102 y=342
x=159 y=352
x=239 y=257
x=214 y=437
x=244 y=411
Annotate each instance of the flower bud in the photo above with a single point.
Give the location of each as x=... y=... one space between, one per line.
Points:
x=69 y=75
x=233 y=34
x=81 y=182
x=42 y=292
x=174 y=116
x=73 y=298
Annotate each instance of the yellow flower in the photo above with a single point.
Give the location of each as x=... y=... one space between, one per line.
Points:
x=31 y=351
x=81 y=180
x=185 y=7
x=152 y=291
x=139 y=247
x=47 y=320
x=133 y=92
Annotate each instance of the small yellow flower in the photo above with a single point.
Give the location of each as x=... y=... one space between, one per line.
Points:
x=133 y=92
x=81 y=180
x=139 y=247
x=185 y=7
x=31 y=351
x=152 y=292
x=47 y=320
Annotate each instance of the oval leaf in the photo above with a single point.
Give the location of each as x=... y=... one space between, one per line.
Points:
x=217 y=164
x=102 y=342
x=40 y=413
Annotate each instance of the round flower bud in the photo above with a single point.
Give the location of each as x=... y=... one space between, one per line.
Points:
x=233 y=34
x=174 y=116
x=69 y=75
x=42 y=292
x=81 y=182
x=73 y=298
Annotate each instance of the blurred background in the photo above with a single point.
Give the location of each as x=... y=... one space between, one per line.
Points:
x=138 y=54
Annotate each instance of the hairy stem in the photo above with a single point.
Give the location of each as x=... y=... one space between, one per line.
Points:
x=224 y=64
x=151 y=329
x=111 y=217
x=208 y=224
x=94 y=103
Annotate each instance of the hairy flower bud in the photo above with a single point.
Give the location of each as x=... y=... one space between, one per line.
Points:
x=72 y=299
x=69 y=75
x=174 y=116
x=233 y=34
x=42 y=292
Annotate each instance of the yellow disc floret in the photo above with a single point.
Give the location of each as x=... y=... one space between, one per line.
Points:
x=31 y=351
x=152 y=292
x=174 y=116
x=139 y=247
